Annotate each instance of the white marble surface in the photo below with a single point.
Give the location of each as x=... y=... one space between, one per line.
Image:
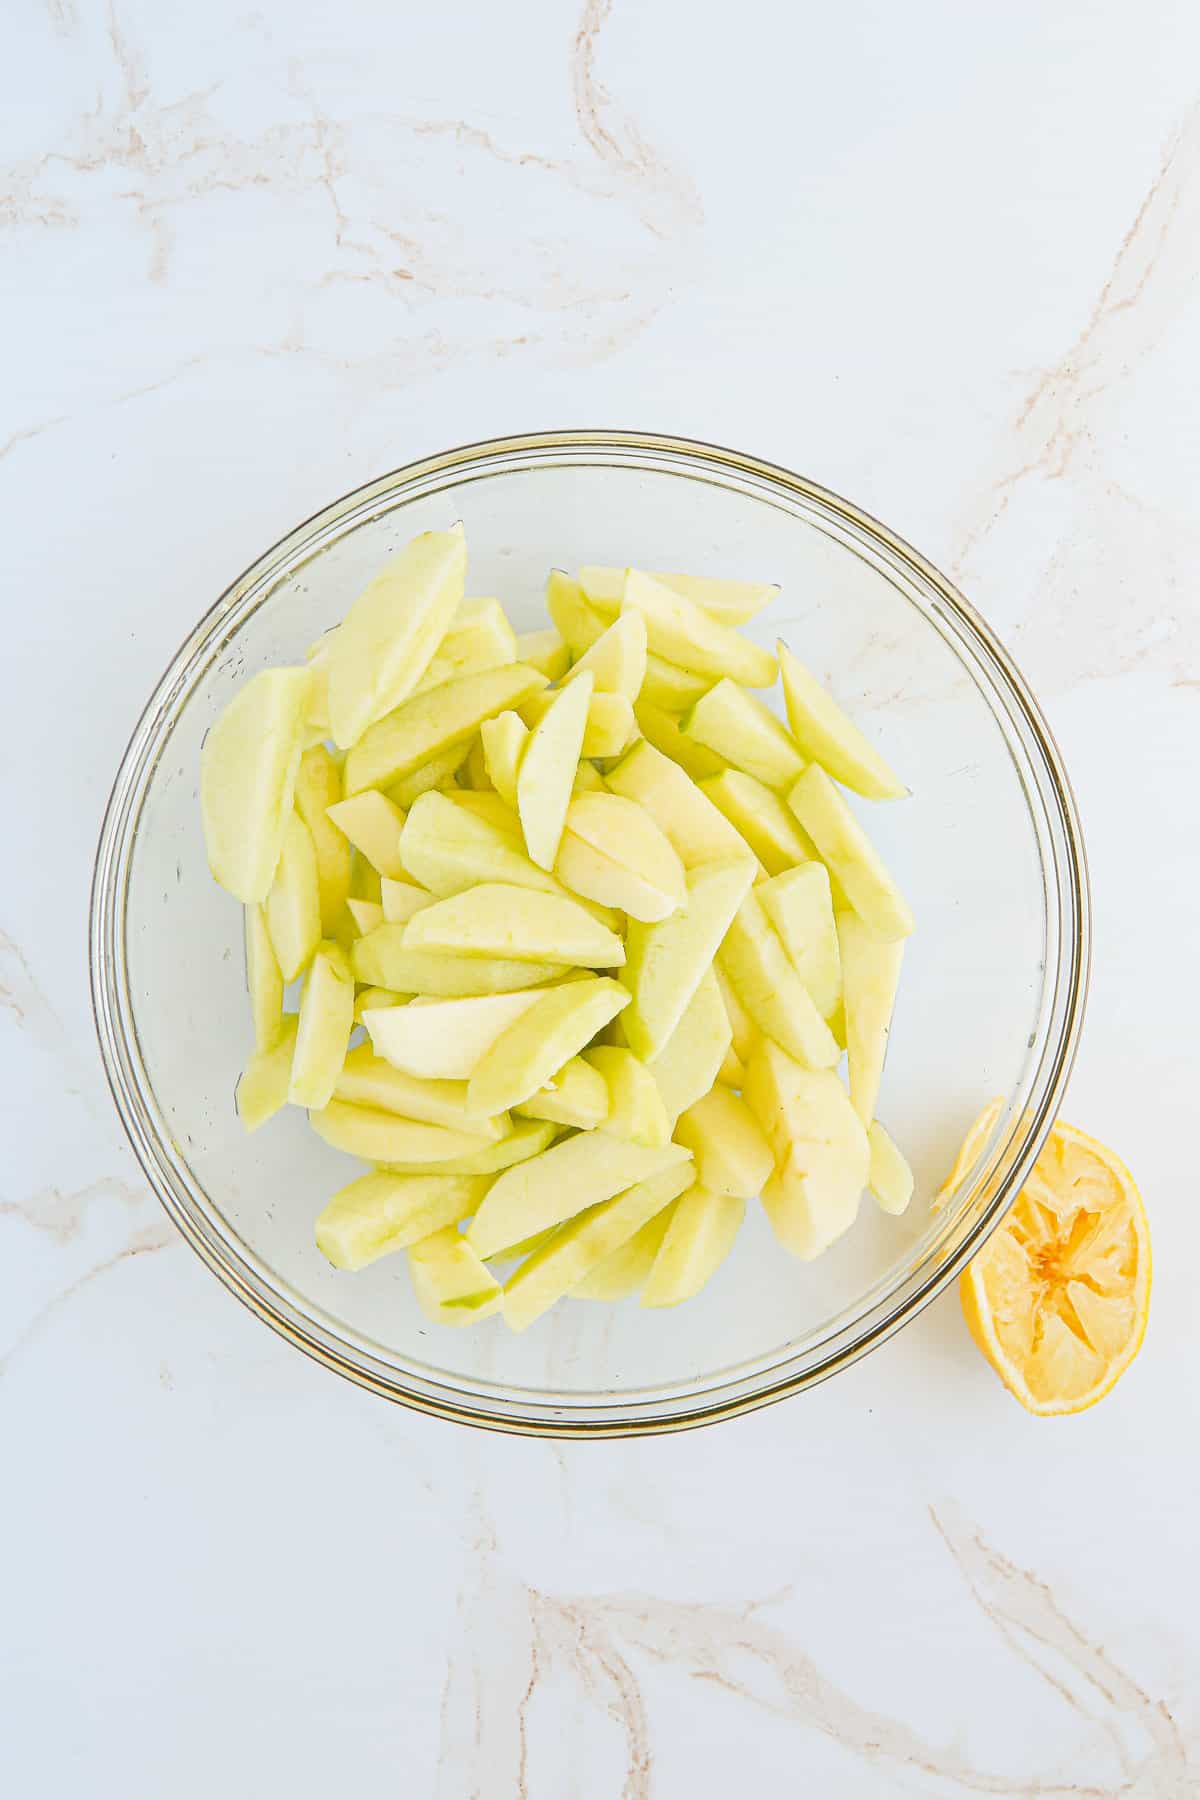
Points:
x=943 y=258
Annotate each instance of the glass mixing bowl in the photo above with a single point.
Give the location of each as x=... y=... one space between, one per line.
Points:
x=987 y=849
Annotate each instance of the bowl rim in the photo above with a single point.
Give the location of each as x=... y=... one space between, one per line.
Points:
x=1069 y=981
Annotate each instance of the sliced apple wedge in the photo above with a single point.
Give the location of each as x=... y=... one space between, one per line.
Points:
x=582 y=1243
x=383 y=1137
x=452 y=1286
x=318 y=787
x=504 y=739
x=728 y=602
x=547 y=770
x=382 y=959
x=565 y=1180
x=575 y=1095
x=373 y=824
x=826 y=735
x=262 y=1089
x=687 y=818
x=248 y=768
x=660 y=727
x=769 y=988
x=673 y=689
x=528 y=1053
x=479 y=637
x=381 y=1213
x=870 y=978
x=667 y=962
x=445 y=1039
x=528 y=1138
x=613 y=852
x=578 y=623
x=743 y=1029
x=820 y=1148
x=761 y=818
x=635 y=1106
x=701 y=1233
x=799 y=903
x=326 y=1021
x=617 y=659
x=263 y=980
x=448 y=849
x=623 y=1270
x=294 y=903
x=890 y=1178
x=496 y=919
x=401 y=899
x=385 y=642
x=731 y=1153
x=850 y=855
x=369 y=1080
x=544 y=650
x=439 y=772
x=737 y=726
x=692 y=1057
x=683 y=633
x=437 y=721
x=367 y=914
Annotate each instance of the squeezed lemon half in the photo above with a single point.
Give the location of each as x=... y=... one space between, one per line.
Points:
x=1058 y=1298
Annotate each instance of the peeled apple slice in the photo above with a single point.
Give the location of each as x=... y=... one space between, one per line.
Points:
x=826 y=735
x=439 y=772
x=382 y=960
x=449 y=849
x=555 y=1028
x=294 y=902
x=699 y=1237
x=439 y=720
x=318 y=787
x=659 y=725
x=683 y=633
x=617 y=659
x=565 y=1180
x=367 y=914
x=731 y=1153
x=326 y=1021
x=401 y=899
x=263 y=1087
x=382 y=1137
x=870 y=978
x=547 y=770
x=528 y=1138
x=380 y=1213
x=820 y=1148
x=498 y=920
x=744 y=1030
x=890 y=1178
x=694 y=1054
x=578 y=622
x=575 y=1095
x=687 y=818
x=728 y=602
x=452 y=1286
x=850 y=855
x=248 y=767
x=369 y=1080
x=385 y=642
x=738 y=727
x=799 y=903
x=667 y=962
x=479 y=637
x=635 y=1105
x=632 y=864
x=373 y=824
x=263 y=980
x=770 y=989
x=624 y=1270
x=504 y=740
x=445 y=1040
x=578 y=1246
x=761 y=818
x=544 y=650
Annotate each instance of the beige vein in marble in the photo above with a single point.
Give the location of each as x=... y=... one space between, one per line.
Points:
x=143 y=1243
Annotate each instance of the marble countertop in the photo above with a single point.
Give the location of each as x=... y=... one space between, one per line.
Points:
x=943 y=259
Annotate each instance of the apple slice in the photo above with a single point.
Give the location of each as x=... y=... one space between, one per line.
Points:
x=380 y=1213
x=263 y=980
x=435 y=722
x=326 y=1021
x=610 y=726
x=585 y=1241
x=732 y=1156
x=870 y=977
x=544 y=650
x=504 y=741
x=687 y=818
x=565 y=1180
x=449 y=849
x=697 y=1241
x=438 y=772
x=388 y=638
x=446 y=1039
x=368 y=997
x=799 y=904
x=617 y=659
x=369 y=1080
x=623 y=1271
x=850 y=855
x=548 y=767
x=294 y=903
x=555 y=1028
x=613 y=852
x=744 y=1030
x=890 y=1178
x=821 y=1151
x=683 y=633
x=575 y=1095
x=732 y=1072
x=691 y=1060
x=770 y=989
x=578 y=623
x=452 y=1286
x=262 y=1088
x=588 y=779
x=383 y=1137
x=373 y=824
x=401 y=899
x=497 y=919
x=248 y=767
x=318 y=787
x=670 y=687
x=528 y=1138
x=367 y=914
x=667 y=961
x=827 y=736
x=382 y=959
x=746 y=733
x=479 y=637
x=635 y=1106
x=761 y=818
x=660 y=727
x=728 y=602
x=488 y=806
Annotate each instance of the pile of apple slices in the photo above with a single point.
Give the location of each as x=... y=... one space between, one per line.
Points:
x=606 y=924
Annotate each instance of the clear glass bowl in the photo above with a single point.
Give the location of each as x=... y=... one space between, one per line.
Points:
x=988 y=850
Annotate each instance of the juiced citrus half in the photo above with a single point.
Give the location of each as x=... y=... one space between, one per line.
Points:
x=1058 y=1298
